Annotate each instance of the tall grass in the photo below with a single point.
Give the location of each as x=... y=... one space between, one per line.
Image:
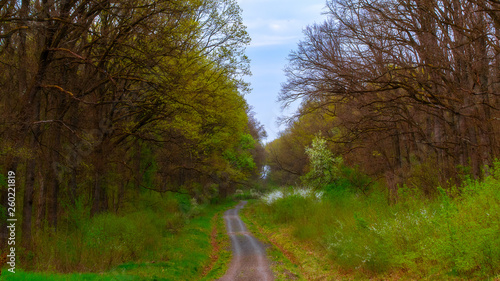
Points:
x=161 y=238
x=456 y=234
x=94 y=244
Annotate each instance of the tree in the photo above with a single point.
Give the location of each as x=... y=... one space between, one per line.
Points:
x=325 y=168
x=409 y=82
x=93 y=87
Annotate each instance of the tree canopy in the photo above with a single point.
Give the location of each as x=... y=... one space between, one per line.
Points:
x=410 y=88
x=104 y=99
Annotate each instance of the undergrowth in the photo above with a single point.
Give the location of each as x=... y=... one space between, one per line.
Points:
x=94 y=244
x=162 y=238
x=281 y=265
x=456 y=235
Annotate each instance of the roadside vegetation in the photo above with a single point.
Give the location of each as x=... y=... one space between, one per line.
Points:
x=454 y=235
x=126 y=129
x=166 y=237
x=395 y=138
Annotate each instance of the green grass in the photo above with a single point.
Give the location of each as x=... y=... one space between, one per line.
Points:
x=223 y=255
x=282 y=267
x=179 y=255
x=291 y=258
x=454 y=236
x=22 y=276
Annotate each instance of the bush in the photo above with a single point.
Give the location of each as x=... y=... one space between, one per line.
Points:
x=247 y=194
x=108 y=239
x=448 y=235
x=325 y=168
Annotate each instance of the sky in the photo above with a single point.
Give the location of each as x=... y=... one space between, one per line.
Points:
x=275 y=27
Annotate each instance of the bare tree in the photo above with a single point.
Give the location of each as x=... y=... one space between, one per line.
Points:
x=417 y=74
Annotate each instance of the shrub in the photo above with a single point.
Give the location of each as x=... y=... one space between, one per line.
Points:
x=325 y=168
x=456 y=234
x=108 y=239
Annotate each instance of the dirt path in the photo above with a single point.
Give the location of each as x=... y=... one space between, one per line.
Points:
x=249 y=255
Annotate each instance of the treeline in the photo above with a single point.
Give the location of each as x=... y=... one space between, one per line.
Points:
x=406 y=90
x=101 y=100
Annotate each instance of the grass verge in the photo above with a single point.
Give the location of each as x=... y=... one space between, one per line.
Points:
x=190 y=256
x=221 y=250
x=283 y=264
x=345 y=235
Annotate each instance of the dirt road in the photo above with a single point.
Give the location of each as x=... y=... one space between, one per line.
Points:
x=249 y=254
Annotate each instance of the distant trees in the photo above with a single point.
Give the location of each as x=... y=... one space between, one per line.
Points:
x=101 y=99
x=409 y=84
x=286 y=155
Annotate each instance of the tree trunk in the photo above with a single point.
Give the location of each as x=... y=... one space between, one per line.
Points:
x=28 y=202
x=40 y=207
x=99 y=198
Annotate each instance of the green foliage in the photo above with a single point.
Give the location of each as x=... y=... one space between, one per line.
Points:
x=456 y=235
x=246 y=194
x=103 y=242
x=325 y=168
x=351 y=179
x=247 y=142
x=184 y=254
x=239 y=155
x=21 y=275
x=108 y=239
x=136 y=246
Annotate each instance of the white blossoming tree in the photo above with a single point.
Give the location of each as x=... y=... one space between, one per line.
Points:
x=325 y=168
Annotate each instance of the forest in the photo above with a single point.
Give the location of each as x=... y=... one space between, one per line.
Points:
x=407 y=90
x=398 y=134
x=125 y=133
x=104 y=103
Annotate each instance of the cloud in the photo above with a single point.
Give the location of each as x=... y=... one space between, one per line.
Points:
x=266 y=32
x=275 y=27
x=278 y=21
x=269 y=40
